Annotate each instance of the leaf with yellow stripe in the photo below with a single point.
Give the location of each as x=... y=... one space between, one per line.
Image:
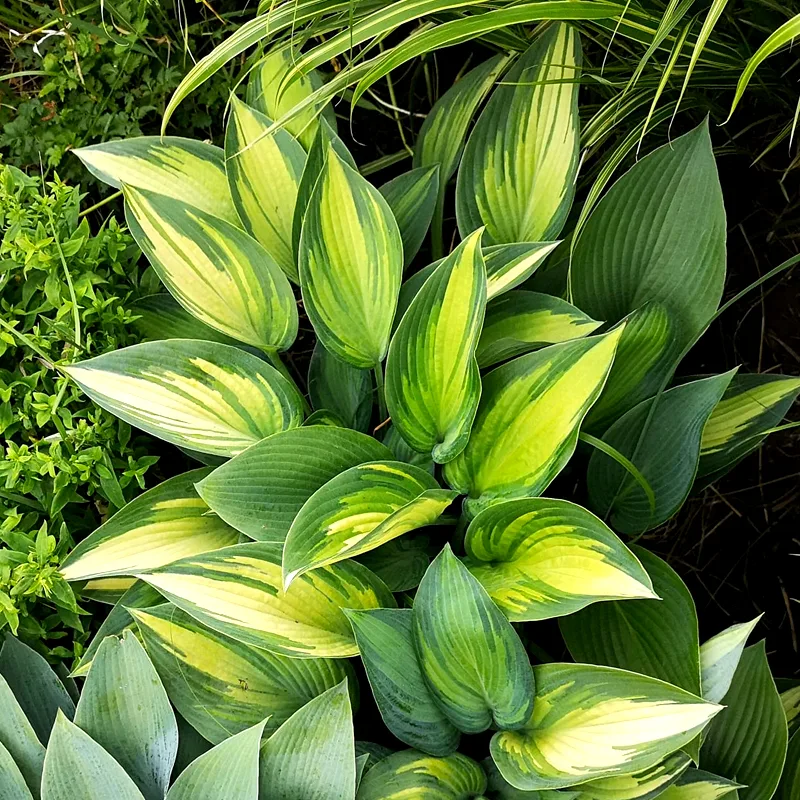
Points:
x=643 y=785
x=221 y=686
x=107 y=590
x=185 y=169
x=214 y=270
x=264 y=174
x=540 y=558
x=697 y=784
x=351 y=264
x=473 y=661
x=527 y=424
x=359 y=510
x=162 y=525
x=528 y=135
x=432 y=381
x=521 y=321
x=237 y=591
x=204 y=396
x=596 y=722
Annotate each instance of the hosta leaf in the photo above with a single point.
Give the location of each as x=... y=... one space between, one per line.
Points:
x=351 y=264
x=125 y=709
x=77 y=767
x=517 y=176
x=432 y=381
x=214 y=270
x=201 y=395
x=185 y=169
x=747 y=743
x=593 y=722
x=521 y=321
x=790 y=700
x=696 y=784
x=312 y=755
x=403 y=451
x=667 y=455
x=335 y=385
x=471 y=657
x=401 y=563
x=18 y=738
x=674 y=254
x=263 y=174
x=789 y=788
x=237 y=592
x=386 y=640
x=12 y=783
x=410 y=773
x=228 y=770
x=719 y=658
x=222 y=686
x=107 y=590
x=412 y=199
x=325 y=417
x=161 y=316
x=643 y=785
x=527 y=423
x=261 y=490
x=162 y=525
x=359 y=510
x=540 y=558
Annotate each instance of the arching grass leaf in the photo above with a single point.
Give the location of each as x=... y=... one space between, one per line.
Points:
x=697 y=784
x=359 y=510
x=401 y=563
x=528 y=134
x=472 y=659
x=594 y=722
x=200 y=395
x=719 y=658
x=335 y=385
x=12 y=783
x=261 y=490
x=644 y=785
x=540 y=558
x=527 y=423
x=19 y=739
x=432 y=381
x=237 y=591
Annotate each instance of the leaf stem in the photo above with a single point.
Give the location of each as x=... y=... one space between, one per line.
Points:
x=378 y=372
x=103 y=202
x=275 y=360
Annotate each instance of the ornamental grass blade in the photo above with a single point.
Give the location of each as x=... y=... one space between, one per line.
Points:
x=334 y=385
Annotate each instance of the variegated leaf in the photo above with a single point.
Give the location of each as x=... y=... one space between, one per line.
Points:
x=517 y=176
x=595 y=722
x=527 y=423
x=386 y=640
x=432 y=381
x=264 y=174
x=214 y=270
x=472 y=659
x=719 y=658
x=643 y=785
x=185 y=169
x=351 y=264
x=334 y=385
x=359 y=510
x=697 y=784
x=540 y=558
x=251 y=492
x=221 y=686
x=237 y=591
x=521 y=321
x=204 y=396
x=107 y=590
x=162 y=525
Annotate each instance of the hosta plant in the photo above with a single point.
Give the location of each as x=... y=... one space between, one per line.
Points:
x=392 y=507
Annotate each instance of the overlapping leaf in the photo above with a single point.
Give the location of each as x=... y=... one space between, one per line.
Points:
x=401 y=563
x=335 y=385
x=643 y=785
x=719 y=659
x=697 y=784
x=19 y=740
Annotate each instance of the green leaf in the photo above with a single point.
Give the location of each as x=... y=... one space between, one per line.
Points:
x=200 y=395
x=312 y=755
x=528 y=420
x=402 y=451
x=719 y=658
x=184 y=169
x=166 y=523
x=214 y=270
x=472 y=659
x=222 y=686
x=747 y=742
x=410 y=773
x=667 y=455
x=595 y=722
x=228 y=770
x=643 y=785
x=527 y=134
x=264 y=174
x=401 y=563
x=789 y=788
x=19 y=739
x=696 y=784
x=107 y=590
x=412 y=199
x=251 y=491
x=77 y=767
x=12 y=783
x=432 y=381
x=674 y=254
x=335 y=385
x=125 y=709
x=237 y=591
x=351 y=264
x=358 y=510
x=790 y=700
x=540 y=558
x=385 y=638
x=521 y=321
